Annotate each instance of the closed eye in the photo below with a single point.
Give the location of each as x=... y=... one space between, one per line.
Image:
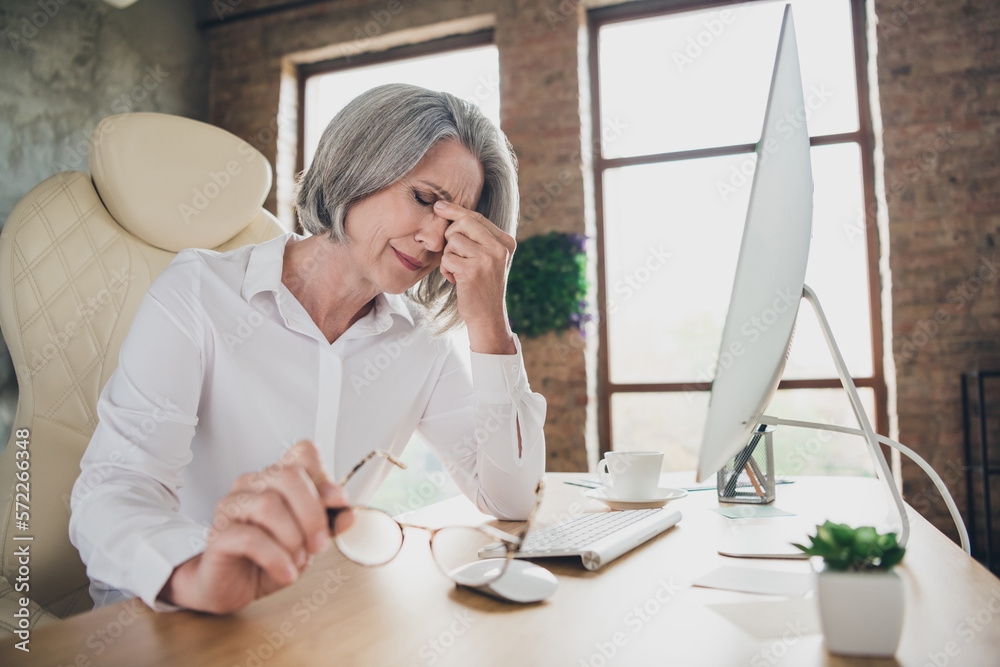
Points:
x=423 y=198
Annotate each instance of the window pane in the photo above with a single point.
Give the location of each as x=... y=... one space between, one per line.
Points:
x=674 y=422
x=800 y=451
x=671 y=423
x=424 y=481
x=472 y=74
x=701 y=79
x=837 y=270
x=665 y=315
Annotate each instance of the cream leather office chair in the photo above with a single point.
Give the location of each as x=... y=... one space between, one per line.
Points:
x=77 y=255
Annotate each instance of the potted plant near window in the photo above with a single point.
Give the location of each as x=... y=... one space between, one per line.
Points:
x=860 y=597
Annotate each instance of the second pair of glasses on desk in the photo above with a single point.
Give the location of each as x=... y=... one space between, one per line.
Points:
x=375 y=537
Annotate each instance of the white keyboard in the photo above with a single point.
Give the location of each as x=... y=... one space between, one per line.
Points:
x=597 y=538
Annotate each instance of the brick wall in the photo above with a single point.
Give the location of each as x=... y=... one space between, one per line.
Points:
x=939 y=81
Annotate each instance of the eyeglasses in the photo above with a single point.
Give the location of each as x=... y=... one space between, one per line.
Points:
x=375 y=537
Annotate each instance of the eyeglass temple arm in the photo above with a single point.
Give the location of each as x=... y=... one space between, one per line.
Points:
x=523 y=531
x=378 y=452
x=332 y=512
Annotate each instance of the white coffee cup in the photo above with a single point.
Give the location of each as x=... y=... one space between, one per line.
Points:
x=631 y=475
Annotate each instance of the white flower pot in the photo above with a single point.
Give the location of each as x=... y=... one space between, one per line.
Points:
x=861 y=613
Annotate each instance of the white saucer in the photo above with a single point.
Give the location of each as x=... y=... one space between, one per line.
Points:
x=662 y=497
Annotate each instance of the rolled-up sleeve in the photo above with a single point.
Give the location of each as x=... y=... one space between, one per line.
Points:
x=125 y=519
x=472 y=423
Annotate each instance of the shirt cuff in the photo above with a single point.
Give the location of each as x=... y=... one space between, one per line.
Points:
x=499 y=378
x=156 y=558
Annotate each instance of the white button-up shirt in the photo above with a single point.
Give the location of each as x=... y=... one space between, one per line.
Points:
x=223 y=370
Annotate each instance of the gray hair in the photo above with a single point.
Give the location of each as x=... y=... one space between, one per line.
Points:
x=378 y=138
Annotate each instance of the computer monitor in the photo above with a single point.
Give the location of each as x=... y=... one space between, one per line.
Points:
x=770 y=271
x=767 y=290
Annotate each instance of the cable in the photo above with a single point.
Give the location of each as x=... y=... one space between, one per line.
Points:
x=916 y=458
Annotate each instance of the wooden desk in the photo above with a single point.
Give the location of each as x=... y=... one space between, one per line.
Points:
x=641 y=607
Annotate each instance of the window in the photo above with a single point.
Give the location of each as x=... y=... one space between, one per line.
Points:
x=680 y=96
x=466 y=66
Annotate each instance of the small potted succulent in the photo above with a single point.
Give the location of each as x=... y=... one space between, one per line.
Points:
x=860 y=597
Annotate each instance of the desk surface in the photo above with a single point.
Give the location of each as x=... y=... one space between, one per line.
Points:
x=640 y=609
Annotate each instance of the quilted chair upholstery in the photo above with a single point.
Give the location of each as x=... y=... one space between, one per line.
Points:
x=77 y=254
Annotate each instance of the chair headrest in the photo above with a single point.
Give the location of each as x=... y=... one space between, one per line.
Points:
x=175 y=182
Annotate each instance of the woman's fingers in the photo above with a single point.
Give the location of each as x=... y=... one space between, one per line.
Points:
x=270 y=512
x=298 y=493
x=473 y=225
x=289 y=500
x=305 y=454
x=256 y=545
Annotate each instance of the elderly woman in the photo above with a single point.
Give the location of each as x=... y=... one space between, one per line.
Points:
x=332 y=341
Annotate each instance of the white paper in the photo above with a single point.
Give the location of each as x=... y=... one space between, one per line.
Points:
x=754 y=580
x=772 y=618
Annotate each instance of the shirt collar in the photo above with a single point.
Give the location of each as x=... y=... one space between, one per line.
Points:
x=264 y=266
x=263 y=274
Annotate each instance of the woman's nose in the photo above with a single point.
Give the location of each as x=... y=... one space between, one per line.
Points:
x=431 y=234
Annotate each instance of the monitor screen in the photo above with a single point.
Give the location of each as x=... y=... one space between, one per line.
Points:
x=770 y=270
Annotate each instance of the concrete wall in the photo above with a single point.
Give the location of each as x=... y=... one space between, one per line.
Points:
x=65 y=65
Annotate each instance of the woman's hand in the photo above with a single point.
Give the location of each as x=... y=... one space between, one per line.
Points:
x=263 y=536
x=477 y=256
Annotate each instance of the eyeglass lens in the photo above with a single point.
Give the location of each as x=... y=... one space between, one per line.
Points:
x=374 y=538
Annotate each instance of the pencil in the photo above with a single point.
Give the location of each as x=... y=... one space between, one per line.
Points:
x=753 y=480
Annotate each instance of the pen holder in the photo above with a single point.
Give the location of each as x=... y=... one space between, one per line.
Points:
x=748 y=477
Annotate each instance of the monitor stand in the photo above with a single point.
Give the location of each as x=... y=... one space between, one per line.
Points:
x=760 y=540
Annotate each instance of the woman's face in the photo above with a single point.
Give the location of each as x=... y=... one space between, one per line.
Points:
x=395 y=237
